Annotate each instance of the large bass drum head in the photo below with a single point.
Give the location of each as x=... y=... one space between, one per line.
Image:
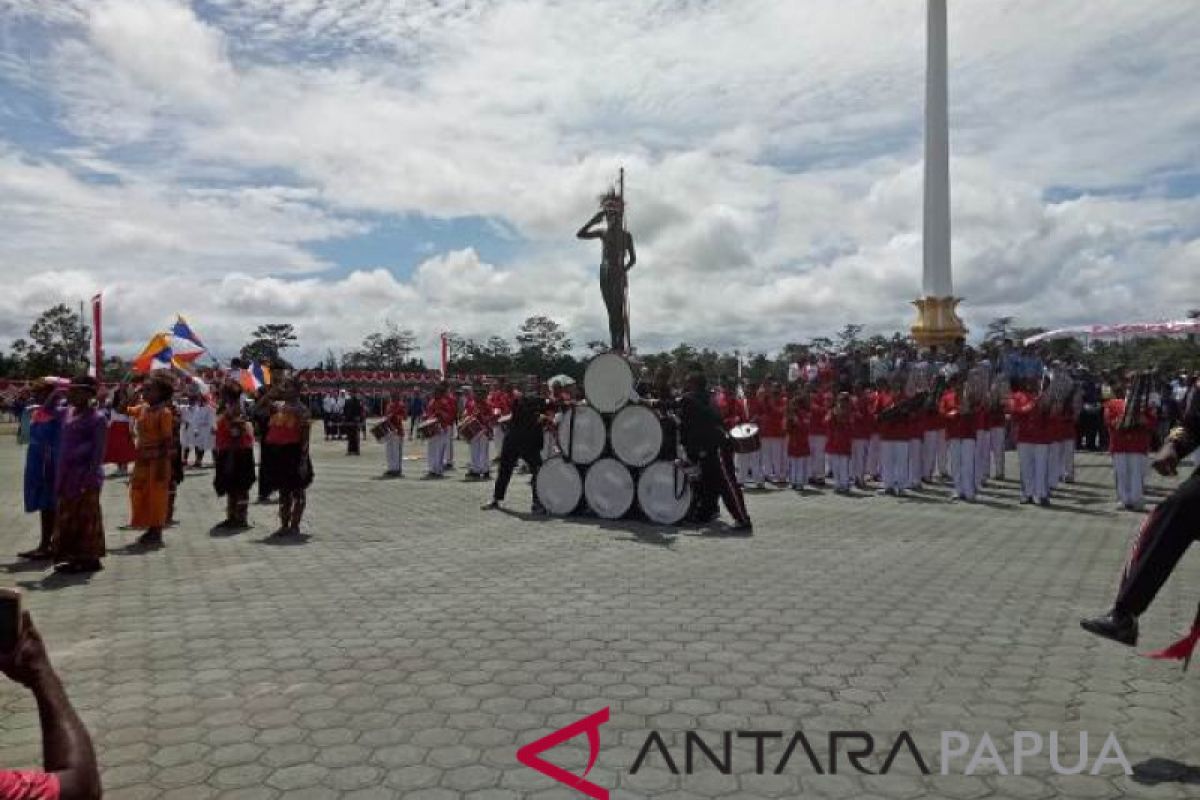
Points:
x=664 y=493
x=581 y=434
x=609 y=488
x=608 y=382
x=637 y=435
x=559 y=487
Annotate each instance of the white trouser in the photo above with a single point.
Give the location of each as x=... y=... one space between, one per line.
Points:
x=983 y=453
x=929 y=454
x=774 y=458
x=963 y=453
x=875 y=456
x=840 y=464
x=893 y=458
x=1068 y=459
x=816 y=455
x=549 y=444
x=858 y=458
x=798 y=471
x=749 y=467
x=1129 y=469
x=481 y=460
x=914 y=463
x=943 y=452
x=393 y=448
x=1034 y=460
x=435 y=452
x=997 y=443
x=451 y=435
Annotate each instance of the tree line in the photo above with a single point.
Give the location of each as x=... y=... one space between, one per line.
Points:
x=59 y=339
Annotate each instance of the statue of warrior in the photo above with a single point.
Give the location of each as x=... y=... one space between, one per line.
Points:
x=616 y=243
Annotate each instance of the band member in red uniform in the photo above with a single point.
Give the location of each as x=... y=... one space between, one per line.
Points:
x=1129 y=446
x=860 y=436
x=444 y=409
x=960 y=422
x=706 y=443
x=750 y=465
x=818 y=434
x=798 y=438
x=893 y=441
x=772 y=411
x=481 y=460
x=500 y=400
x=1163 y=539
x=840 y=423
x=1029 y=415
x=393 y=443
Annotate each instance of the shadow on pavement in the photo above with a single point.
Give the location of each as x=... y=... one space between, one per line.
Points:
x=1165 y=770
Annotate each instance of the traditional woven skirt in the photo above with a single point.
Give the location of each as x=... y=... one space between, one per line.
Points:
x=79 y=528
x=234 y=471
x=285 y=467
x=119 y=448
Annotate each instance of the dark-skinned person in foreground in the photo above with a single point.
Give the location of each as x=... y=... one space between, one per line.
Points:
x=68 y=760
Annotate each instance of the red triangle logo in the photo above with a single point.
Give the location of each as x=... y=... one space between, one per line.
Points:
x=529 y=755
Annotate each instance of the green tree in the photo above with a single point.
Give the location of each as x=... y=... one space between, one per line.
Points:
x=267 y=343
x=389 y=350
x=849 y=336
x=57 y=344
x=998 y=329
x=544 y=348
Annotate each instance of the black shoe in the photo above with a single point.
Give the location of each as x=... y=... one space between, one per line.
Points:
x=744 y=528
x=492 y=506
x=540 y=510
x=1115 y=625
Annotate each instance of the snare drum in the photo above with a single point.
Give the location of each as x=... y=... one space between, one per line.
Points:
x=559 y=487
x=581 y=434
x=428 y=428
x=608 y=488
x=382 y=430
x=469 y=428
x=745 y=438
x=608 y=383
x=636 y=435
x=664 y=492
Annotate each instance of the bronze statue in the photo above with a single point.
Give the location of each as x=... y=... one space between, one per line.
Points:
x=616 y=242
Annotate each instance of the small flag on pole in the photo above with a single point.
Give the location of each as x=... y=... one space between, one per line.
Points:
x=97 y=370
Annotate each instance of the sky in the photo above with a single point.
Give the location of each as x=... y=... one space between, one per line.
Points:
x=343 y=164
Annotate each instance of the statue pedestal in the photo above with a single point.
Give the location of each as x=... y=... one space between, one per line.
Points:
x=938 y=322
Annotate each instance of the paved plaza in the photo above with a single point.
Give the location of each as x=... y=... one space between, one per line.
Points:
x=411 y=643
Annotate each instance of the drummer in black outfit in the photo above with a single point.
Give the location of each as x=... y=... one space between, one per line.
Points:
x=522 y=442
x=706 y=443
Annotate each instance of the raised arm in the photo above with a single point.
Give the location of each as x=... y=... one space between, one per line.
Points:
x=66 y=747
x=587 y=231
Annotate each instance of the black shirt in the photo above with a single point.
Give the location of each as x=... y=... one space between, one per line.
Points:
x=701 y=430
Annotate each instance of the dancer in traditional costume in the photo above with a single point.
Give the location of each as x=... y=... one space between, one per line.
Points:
x=153 y=477
x=119 y=448
x=78 y=541
x=285 y=462
x=233 y=458
x=41 y=464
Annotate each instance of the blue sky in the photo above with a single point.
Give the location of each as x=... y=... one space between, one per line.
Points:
x=342 y=165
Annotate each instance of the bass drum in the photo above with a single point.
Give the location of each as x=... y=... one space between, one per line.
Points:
x=637 y=435
x=664 y=493
x=581 y=434
x=608 y=488
x=608 y=383
x=559 y=487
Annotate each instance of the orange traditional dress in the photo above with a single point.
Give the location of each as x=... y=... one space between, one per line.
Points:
x=150 y=484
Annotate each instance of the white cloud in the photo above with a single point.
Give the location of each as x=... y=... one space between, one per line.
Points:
x=772 y=150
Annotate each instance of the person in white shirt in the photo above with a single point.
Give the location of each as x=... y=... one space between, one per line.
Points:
x=199 y=426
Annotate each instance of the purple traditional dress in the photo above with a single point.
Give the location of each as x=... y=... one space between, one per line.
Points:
x=79 y=533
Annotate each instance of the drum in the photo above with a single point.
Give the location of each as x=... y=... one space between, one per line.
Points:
x=664 y=493
x=469 y=428
x=608 y=488
x=559 y=487
x=382 y=430
x=428 y=428
x=745 y=438
x=581 y=434
x=608 y=383
x=636 y=435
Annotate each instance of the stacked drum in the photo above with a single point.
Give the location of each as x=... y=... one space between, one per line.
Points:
x=609 y=461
